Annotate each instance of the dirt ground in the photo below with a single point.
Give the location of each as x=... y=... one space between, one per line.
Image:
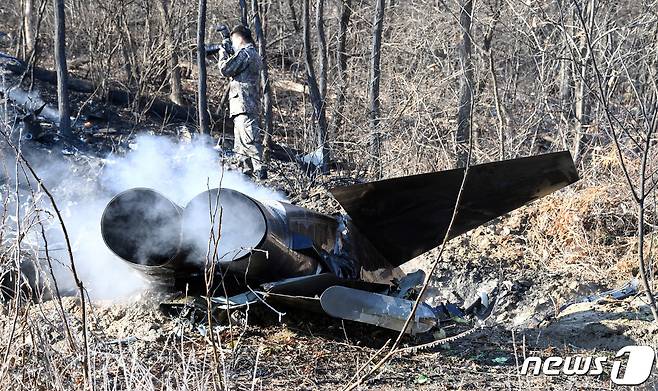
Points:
x=307 y=351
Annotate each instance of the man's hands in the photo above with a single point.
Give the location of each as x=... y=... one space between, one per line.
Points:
x=224 y=49
x=223 y=30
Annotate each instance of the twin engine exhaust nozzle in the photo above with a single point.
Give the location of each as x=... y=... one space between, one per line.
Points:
x=221 y=227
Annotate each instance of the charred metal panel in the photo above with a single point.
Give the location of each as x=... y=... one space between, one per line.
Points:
x=374 y=266
x=405 y=217
x=310 y=286
x=320 y=228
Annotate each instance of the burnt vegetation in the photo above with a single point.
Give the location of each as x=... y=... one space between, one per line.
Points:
x=376 y=89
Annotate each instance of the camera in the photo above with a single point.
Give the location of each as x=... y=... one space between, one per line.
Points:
x=225 y=33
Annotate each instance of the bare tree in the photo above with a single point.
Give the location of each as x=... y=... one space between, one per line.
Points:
x=33 y=51
x=465 y=84
x=293 y=15
x=341 y=61
x=28 y=27
x=319 y=118
x=582 y=67
x=130 y=49
x=244 y=18
x=322 y=48
x=501 y=115
x=635 y=135
x=62 y=72
x=204 y=119
x=176 y=94
x=375 y=75
x=264 y=80
x=566 y=73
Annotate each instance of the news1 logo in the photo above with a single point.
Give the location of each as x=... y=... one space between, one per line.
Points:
x=639 y=362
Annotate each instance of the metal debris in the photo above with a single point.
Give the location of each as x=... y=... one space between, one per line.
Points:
x=343 y=265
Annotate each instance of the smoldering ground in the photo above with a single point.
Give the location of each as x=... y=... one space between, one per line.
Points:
x=82 y=186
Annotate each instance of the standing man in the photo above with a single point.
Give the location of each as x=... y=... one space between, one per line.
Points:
x=243 y=68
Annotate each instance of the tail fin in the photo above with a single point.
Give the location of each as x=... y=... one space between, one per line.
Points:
x=405 y=217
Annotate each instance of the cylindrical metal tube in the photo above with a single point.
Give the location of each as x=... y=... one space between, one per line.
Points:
x=243 y=236
x=253 y=241
x=143 y=228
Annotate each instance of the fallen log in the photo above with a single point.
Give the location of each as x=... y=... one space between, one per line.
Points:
x=119 y=97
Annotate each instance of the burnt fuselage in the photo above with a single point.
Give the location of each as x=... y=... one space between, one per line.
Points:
x=235 y=238
x=240 y=241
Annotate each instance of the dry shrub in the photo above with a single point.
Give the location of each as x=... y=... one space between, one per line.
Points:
x=592 y=225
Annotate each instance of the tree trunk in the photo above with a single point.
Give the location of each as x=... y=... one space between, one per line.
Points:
x=293 y=14
x=565 y=72
x=204 y=127
x=33 y=58
x=130 y=53
x=319 y=118
x=175 y=94
x=501 y=115
x=264 y=82
x=641 y=257
x=62 y=72
x=28 y=27
x=322 y=48
x=465 y=85
x=244 y=19
x=566 y=85
x=375 y=75
x=582 y=101
x=500 y=110
x=125 y=53
x=341 y=61
x=566 y=102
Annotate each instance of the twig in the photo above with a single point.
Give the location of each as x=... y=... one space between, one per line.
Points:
x=69 y=249
x=434 y=264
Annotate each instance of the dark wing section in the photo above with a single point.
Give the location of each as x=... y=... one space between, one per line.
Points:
x=310 y=286
x=405 y=217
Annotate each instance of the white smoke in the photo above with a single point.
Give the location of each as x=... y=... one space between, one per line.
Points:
x=32 y=101
x=83 y=186
x=179 y=171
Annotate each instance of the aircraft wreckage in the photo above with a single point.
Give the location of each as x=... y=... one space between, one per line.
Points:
x=342 y=265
